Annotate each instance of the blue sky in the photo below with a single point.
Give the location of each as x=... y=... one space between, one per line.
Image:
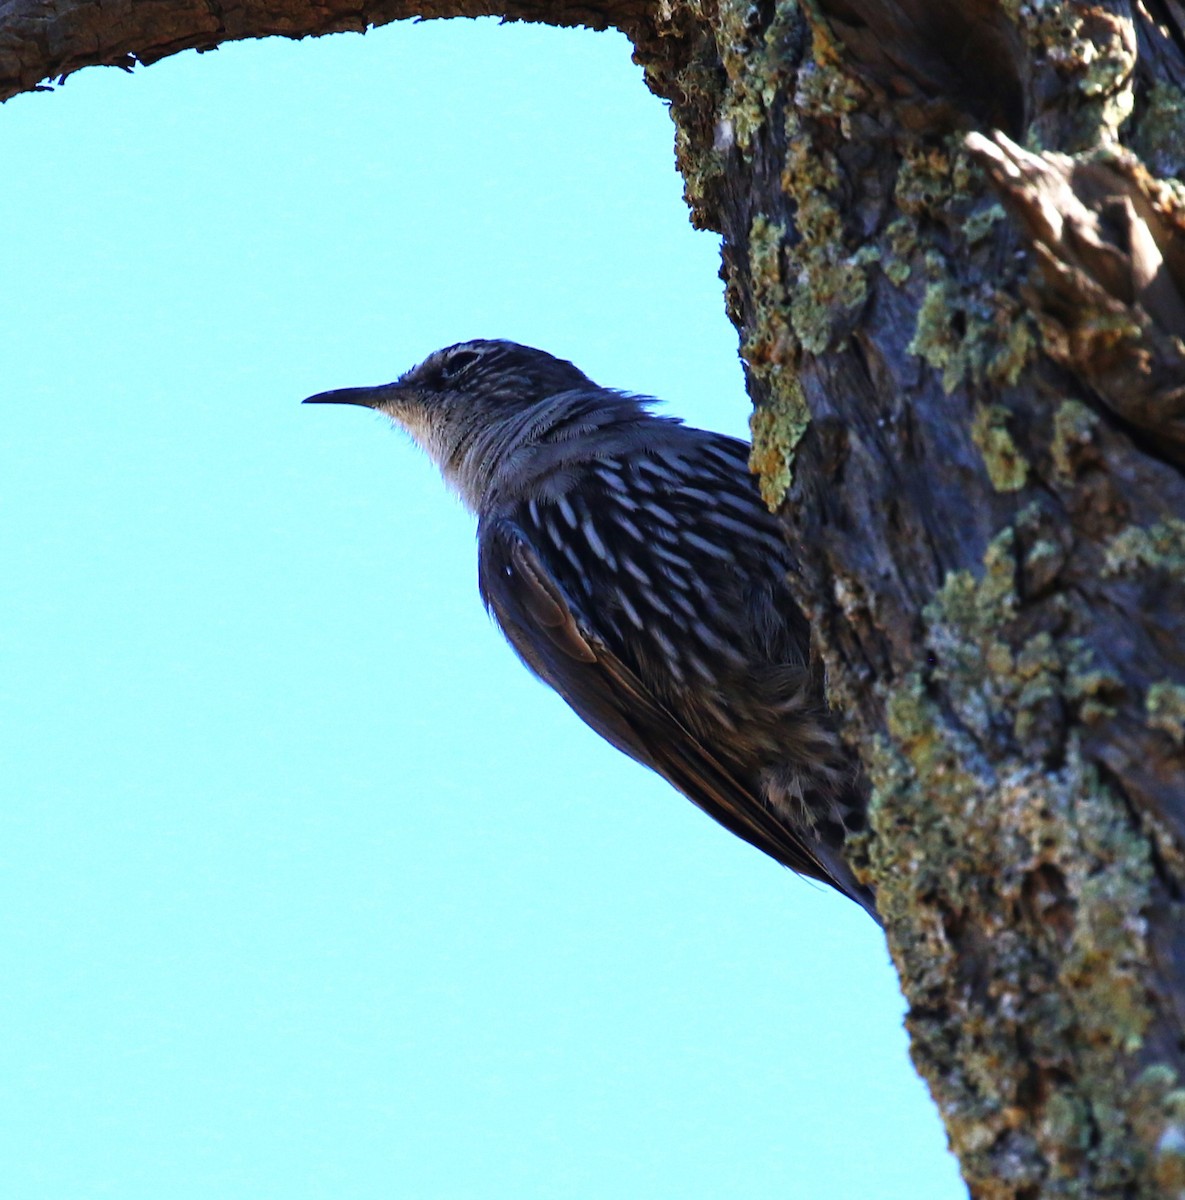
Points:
x=307 y=889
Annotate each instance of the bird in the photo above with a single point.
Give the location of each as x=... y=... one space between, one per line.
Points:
x=630 y=562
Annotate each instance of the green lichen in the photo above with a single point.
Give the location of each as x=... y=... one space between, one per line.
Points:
x=1096 y=691
x=929 y=176
x=1097 y=56
x=1165 y=706
x=1006 y=466
x=1168 y=1167
x=770 y=350
x=1043 y=559
x=776 y=429
x=702 y=172
x=693 y=84
x=1075 y=1009
x=1159 y=1106
x=757 y=67
x=825 y=91
x=1073 y=430
x=765 y=262
x=760 y=60
x=966 y=622
x=1160 y=137
x=829 y=278
x=939 y=190
x=1037 y=689
x=1158 y=547
x=830 y=284
x=980 y=223
x=969 y=830
x=971 y=338
x=935 y=338
x=901 y=237
x=1020 y=688
x=897 y=270
x=1012 y=345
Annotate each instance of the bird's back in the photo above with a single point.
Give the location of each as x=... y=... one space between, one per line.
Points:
x=676 y=575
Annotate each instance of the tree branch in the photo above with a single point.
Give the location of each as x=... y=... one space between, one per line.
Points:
x=44 y=40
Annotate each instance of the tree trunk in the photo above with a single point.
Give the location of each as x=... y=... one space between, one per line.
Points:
x=968 y=368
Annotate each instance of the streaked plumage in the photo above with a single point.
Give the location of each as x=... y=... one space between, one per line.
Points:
x=630 y=563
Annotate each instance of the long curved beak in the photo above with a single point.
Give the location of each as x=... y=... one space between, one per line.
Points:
x=365 y=397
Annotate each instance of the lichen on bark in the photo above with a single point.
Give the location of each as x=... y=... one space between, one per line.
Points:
x=898 y=350
x=1043 y=868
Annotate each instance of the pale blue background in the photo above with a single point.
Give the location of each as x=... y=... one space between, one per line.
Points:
x=307 y=889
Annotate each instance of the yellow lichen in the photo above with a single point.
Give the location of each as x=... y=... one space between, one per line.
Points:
x=776 y=429
x=1045 y=864
x=1006 y=466
x=1073 y=429
x=1165 y=706
x=770 y=350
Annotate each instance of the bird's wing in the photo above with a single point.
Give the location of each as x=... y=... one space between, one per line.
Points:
x=559 y=643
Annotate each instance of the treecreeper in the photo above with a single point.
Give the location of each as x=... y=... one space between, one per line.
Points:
x=632 y=565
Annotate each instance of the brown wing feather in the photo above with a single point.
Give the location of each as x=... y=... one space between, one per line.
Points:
x=559 y=645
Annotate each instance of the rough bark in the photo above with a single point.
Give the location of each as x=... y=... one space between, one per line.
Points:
x=954 y=248
x=43 y=40
x=967 y=364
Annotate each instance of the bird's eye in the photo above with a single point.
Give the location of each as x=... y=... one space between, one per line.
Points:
x=456 y=363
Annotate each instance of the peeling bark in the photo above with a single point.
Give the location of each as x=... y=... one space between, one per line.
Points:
x=1109 y=241
x=954 y=248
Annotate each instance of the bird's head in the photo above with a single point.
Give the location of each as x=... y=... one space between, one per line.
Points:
x=461 y=401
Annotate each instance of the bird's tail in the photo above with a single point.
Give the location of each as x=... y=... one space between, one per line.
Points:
x=821 y=810
x=843 y=878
